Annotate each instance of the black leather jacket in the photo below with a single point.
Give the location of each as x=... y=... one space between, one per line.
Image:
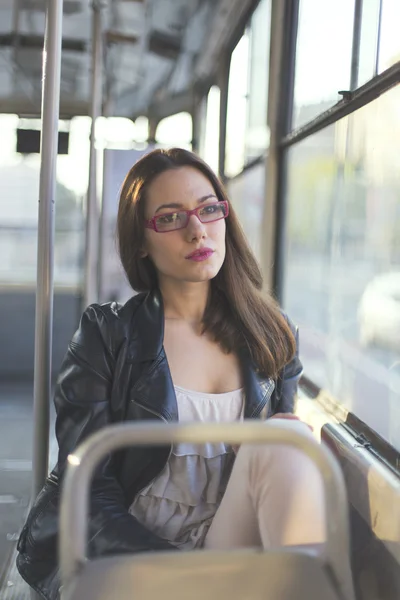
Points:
x=116 y=370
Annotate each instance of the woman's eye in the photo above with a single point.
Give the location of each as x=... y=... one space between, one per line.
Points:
x=165 y=219
x=209 y=210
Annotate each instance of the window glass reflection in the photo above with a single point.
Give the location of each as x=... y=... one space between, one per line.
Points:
x=209 y=138
x=389 y=48
x=342 y=279
x=175 y=130
x=323 y=56
x=19 y=190
x=247 y=194
x=368 y=41
x=257 y=133
x=237 y=108
x=247 y=133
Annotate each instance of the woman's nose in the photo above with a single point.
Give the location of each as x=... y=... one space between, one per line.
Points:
x=195 y=229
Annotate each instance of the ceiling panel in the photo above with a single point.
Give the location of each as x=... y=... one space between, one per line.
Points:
x=150 y=49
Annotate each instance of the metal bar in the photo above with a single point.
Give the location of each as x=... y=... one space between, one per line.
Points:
x=14 y=36
x=152 y=130
x=286 y=116
x=355 y=51
x=352 y=102
x=374 y=443
x=15 y=19
x=223 y=82
x=75 y=501
x=197 y=115
x=378 y=38
x=379 y=447
x=44 y=289
x=272 y=162
x=90 y=293
x=284 y=17
x=108 y=110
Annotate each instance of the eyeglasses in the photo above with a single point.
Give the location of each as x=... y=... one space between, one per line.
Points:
x=179 y=219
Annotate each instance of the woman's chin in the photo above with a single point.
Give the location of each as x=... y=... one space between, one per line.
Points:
x=202 y=272
x=200 y=276
x=196 y=272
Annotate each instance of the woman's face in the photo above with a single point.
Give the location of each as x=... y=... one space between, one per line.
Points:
x=184 y=188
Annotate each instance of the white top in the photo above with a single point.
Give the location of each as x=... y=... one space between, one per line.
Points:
x=179 y=505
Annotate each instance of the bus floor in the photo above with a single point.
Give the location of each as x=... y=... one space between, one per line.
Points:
x=16 y=430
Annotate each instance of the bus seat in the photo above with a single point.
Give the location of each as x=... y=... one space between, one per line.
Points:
x=273 y=575
x=320 y=572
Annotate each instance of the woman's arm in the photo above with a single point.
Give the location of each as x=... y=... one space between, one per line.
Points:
x=82 y=401
x=287 y=383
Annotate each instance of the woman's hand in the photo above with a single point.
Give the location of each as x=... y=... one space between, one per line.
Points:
x=290 y=417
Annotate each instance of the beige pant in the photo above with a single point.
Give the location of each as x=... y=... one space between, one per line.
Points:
x=274 y=498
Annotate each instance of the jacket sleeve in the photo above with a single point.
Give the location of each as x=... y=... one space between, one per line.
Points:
x=82 y=402
x=288 y=379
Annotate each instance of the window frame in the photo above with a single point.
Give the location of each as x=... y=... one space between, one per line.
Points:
x=283 y=137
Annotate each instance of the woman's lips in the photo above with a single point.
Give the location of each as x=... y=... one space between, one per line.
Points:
x=199 y=255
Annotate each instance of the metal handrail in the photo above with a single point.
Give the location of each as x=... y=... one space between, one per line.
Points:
x=81 y=464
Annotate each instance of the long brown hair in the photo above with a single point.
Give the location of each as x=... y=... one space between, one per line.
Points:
x=238 y=315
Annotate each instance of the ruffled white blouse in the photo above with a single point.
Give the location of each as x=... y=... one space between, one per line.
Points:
x=180 y=504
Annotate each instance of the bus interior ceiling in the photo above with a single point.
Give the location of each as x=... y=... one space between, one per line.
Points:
x=303 y=129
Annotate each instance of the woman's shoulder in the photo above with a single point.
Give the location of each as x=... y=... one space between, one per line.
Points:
x=109 y=321
x=118 y=311
x=114 y=311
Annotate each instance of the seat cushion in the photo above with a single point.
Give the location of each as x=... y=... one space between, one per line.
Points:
x=235 y=575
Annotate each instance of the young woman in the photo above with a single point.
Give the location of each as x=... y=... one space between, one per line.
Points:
x=199 y=343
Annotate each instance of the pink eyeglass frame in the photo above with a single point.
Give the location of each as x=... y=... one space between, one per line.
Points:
x=151 y=223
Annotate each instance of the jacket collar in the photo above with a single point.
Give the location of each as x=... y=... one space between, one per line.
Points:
x=154 y=389
x=147 y=337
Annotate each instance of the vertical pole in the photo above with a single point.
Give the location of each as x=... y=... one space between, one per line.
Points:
x=152 y=130
x=108 y=109
x=284 y=19
x=45 y=250
x=223 y=81
x=355 y=51
x=90 y=293
x=197 y=114
x=378 y=39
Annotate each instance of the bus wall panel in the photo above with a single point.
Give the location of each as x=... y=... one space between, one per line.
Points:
x=17 y=330
x=374 y=498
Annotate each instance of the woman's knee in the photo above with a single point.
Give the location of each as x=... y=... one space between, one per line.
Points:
x=280 y=460
x=286 y=489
